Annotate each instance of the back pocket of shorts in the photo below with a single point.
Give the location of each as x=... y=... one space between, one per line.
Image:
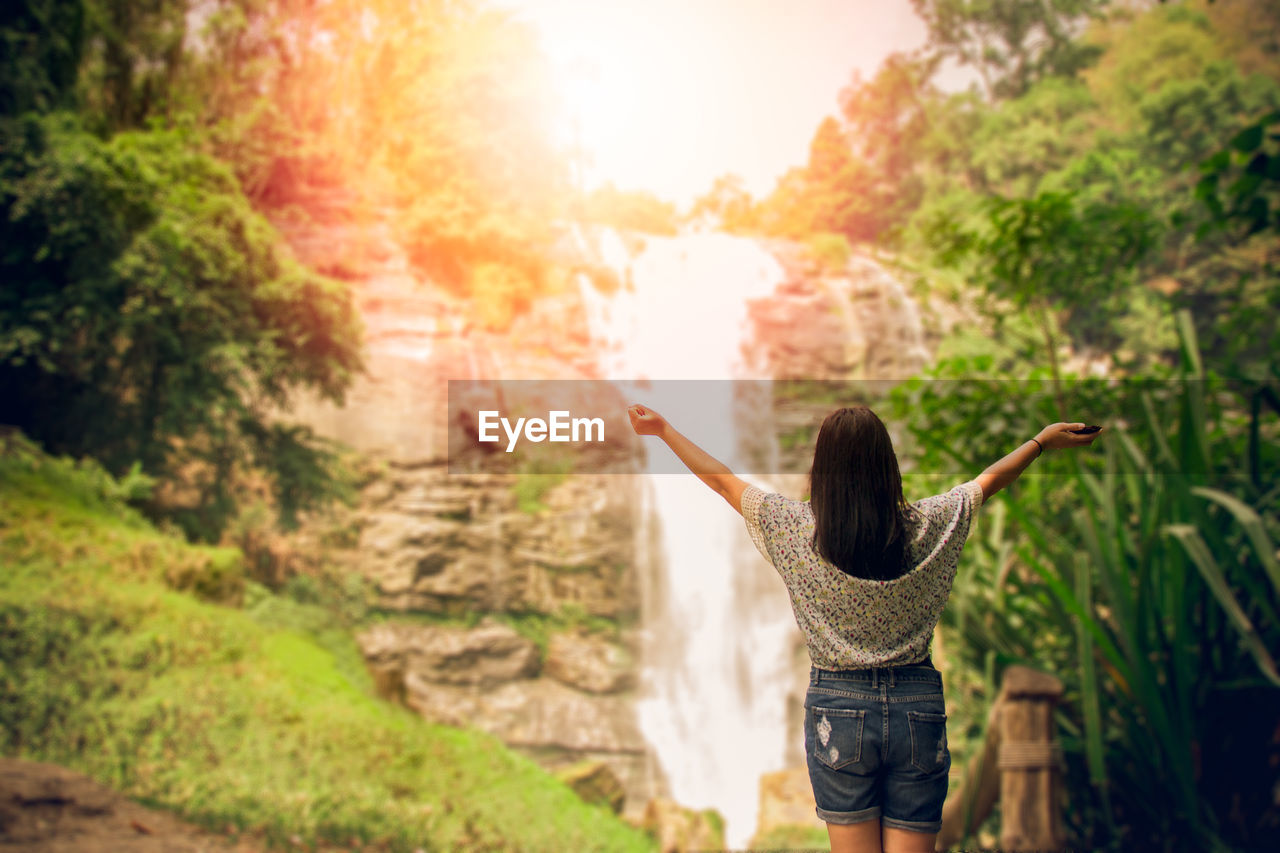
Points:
x=929 y=752
x=837 y=735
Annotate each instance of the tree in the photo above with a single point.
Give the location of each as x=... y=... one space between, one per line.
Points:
x=835 y=180
x=1240 y=189
x=134 y=55
x=438 y=108
x=148 y=314
x=1011 y=43
x=41 y=44
x=890 y=121
x=1051 y=255
x=727 y=205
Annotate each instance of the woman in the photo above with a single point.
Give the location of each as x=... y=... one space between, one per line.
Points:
x=868 y=575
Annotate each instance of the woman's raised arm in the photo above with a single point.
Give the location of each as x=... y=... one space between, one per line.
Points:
x=1052 y=437
x=713 y=472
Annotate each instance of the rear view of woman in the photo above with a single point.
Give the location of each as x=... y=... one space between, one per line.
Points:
x=868 y=575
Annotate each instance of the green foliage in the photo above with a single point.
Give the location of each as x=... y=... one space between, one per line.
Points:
x=1053 y=255
x=1049 y=249
x=1166 y=93
x=831 y=175
x=1147 y=53
x=438 y=109
x=1144 y=576
x=262 y=720
x=862 y=173
x=786 y=212
x=1250 y=168
x=1250 y=339
x=1010 y=43
x=146 y=298
x=307 y=471
x=310 y=609
x=1017 y=145
x=84 y=483
x=893 y=123
x=41 y=45
x=727 y=206
x=831 y=251
x=134 y=50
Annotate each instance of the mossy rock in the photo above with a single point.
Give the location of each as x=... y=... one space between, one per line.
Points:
x=595 y=783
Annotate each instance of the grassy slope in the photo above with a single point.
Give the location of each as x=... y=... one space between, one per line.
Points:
x=107 y=668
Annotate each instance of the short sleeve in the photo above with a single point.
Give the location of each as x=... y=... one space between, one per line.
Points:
x=752 y=500
x=949 y=518
x=975 y=500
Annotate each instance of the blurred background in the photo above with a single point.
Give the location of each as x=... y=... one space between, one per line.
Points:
x=245 y=602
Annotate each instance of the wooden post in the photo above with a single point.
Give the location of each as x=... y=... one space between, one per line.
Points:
x=1020 y=765
x=1030 y=762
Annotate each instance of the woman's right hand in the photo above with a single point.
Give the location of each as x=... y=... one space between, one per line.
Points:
x=646 y=421
x=1060 y=436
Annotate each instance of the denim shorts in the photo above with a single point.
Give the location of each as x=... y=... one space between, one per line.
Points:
x=876 y=744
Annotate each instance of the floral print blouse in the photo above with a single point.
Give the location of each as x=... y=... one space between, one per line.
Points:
x=855 y=623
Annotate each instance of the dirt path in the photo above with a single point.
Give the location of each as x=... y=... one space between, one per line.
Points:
x=49 y=809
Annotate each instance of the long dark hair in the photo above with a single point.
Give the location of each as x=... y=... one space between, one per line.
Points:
x=855 y=491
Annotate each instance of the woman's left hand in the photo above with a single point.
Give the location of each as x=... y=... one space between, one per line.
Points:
x=646 y=421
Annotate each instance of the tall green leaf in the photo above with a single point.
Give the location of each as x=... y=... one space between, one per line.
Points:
x=1193 y=543
x=1251 y=522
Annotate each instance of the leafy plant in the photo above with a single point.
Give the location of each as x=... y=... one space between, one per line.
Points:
x=1145 y=577
x=1054 y=255
x=149 y=315
x=831 y=251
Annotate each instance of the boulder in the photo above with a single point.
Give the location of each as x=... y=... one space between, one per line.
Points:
x=680 y=830
x=533 y=713
x=589 y=663
x=857 y=322
x=533 y=585
x=488 y=654
x=595 y=783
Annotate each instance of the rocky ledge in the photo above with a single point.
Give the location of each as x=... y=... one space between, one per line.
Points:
x=508 y=620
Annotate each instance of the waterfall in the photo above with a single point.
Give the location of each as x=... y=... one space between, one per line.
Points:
x=717 y=623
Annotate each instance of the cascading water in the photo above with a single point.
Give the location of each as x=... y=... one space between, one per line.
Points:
x=718 y=625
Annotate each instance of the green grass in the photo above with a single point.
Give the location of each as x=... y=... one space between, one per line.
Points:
x=792 y=838
x=226 y=708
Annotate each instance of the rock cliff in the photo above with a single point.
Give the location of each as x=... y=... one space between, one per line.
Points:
x=853 y=321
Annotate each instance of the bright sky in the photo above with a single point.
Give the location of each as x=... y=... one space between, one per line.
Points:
x=673 y=93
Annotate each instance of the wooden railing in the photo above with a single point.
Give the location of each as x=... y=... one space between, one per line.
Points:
x=1020 y=765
